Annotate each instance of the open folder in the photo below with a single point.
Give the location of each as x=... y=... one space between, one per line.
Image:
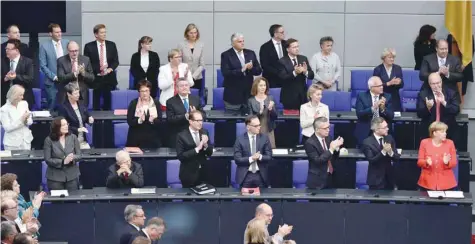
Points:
x=445 y=194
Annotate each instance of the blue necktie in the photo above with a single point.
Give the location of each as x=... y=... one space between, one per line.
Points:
x=185 y=103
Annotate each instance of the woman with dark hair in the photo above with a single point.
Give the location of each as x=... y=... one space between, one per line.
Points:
x=467 y=70
x=145 y=64
x=424 y=44
x=61 y=153
x=143 y=117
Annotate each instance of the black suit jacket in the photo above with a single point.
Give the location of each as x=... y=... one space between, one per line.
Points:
x=66 y=75
x=242 y=152
x=24 y=77
x=190 y=161
x=141 y=233
x=396 y=72
x=134 y=180
x=430 y=64
x=143 y=135
x=16 y=226
x=294 y=88
x=152 y=71
x=421 y=50
x=108 y=81
x=176 y=119
x=127 y=233
x=66 y=110
x=380 y=168
x=270 y=62
x=318 y=162
x=237 y=84
x=24 y=50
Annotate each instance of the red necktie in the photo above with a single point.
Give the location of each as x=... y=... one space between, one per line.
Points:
x=74 y=66
x=437 y=108
x=101 y=58
x=330 y=166
x=175 y=80
x=126 y=176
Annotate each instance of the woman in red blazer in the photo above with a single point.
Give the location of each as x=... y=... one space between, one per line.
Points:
x=437 y=158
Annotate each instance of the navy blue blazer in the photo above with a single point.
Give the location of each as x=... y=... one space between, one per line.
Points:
x=242 y=152
x=66 y=110
x=364 y=102
x=237 y=84
x=396 y=72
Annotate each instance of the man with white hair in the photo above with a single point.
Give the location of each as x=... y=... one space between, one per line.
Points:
x=135 y=217
x=372 y=104
x=124 y=173
x=238 y=66
x=8 y=232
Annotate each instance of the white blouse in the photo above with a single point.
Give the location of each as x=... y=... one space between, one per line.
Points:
x=307 y=114
x=144 y=61
x=16 y=131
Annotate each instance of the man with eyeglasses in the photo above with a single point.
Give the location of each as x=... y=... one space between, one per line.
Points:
x=135 y=217
x=372 y=104
x=322 y=155
x=271 y=52
x=264 y=212
x=77 y=69
x=179 y=108
x=10 y=212
x=193 y=148
x=124 y=173
x=380 y=151
x=438 y=103
x=252 y=154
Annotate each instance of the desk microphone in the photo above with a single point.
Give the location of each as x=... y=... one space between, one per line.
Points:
x=62 y=196
x=440 y=197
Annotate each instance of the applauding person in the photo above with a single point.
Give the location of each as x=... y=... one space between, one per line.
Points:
x=312 y=110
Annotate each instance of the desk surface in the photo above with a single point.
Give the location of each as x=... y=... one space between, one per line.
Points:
x=104 y=194
x=223 y=115
x=107 y=153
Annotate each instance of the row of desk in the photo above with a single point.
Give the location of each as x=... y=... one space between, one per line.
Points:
x=407 y=131
x=95 y=163
x=342 y=216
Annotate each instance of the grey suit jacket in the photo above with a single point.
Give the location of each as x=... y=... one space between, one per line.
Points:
x=194 y=60
x=65 y=75
x=48 y=58
x=255 y=109
x=55 y=154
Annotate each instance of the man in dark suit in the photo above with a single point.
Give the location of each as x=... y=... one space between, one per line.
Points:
x=9 y=210
x=322 y=155
x=135 y=217
x=178 y=109
x=77 y=69
x=13 y=33
x=192 y=149
x=105 y=60
x=380 y=151
x=270 y=53
x=17 y=69
x=448 y=66
x=153 y=231
x=252 y=153
x=372 y=104
x=438 y=103
x=294 y=72
x=238 y=66
x=124 y=173
x=9 y=231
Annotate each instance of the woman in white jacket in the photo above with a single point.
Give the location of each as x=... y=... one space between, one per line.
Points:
x=15 y=118
x=169 y=75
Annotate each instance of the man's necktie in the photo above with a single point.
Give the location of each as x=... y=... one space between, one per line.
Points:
x=196 y=137
x=74 y=67
x=126 y=176
x=381 y=143
x=12 y=66
x=187 y=106
x=279 y=48
x=294 y=61
x=101 y=58
x=376 y=111
x=329 y=163
x=437 y=107
x=241 y=59
x=253 y=151
x=59 y=50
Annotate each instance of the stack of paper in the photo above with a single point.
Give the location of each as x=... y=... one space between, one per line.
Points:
x=41 y=114
x=445 y=194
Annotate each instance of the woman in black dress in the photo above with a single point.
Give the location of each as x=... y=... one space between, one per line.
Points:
x=424 y=44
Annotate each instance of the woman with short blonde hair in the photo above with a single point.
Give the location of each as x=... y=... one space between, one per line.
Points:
x=391 y=76
x=312 y=110
x=192 y=49
x=256 y=232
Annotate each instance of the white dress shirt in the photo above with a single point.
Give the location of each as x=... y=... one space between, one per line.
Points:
x=326 y=68
x=307 y=113
x=58 y=50
x=99 y=52
x=278 y=47
x=144 y=231
x=17 y=134
x=388 y=70
x=144 y=61
x=382 y=151
x=166 y=82
x=249 y=135
x=15 y=62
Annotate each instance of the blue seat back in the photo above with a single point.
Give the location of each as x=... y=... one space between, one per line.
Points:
x=359 y=83
x=275 y=93
x=218 y=103
x=337 y=100
x=90 y=135
x=89 y=106
x=44 y=182
x=219 y=78
x=233 y=175
x=173 y=173
x=209 y=126
x=299 y=173
x=410 y=91
x=361 y=174
x=195 y=92
x=120 y=134
x=42 y=78
x=240 y=129
x=37 y=94
x=121 y=98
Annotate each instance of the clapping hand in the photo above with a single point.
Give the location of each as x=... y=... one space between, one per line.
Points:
x=444 y=70
x=68 y=158
x=387 y=147
x=38 y=199
x=382 y=103
x=249 y=65
x=83 y=129
x=429 y=161
x=271 y=105
x=429 y=103
x=91 y=120
x=192 y=108
x=256 y=156
x=152 y=117
x=25 y=116
x=304 y=67
x=285 y=229
x=336 y=143
x=440 y=97
x=81 y=69
x=447 y=158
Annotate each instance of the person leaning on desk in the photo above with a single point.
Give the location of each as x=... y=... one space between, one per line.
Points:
x=61 y=153
x=437 y=158
x=124 y=173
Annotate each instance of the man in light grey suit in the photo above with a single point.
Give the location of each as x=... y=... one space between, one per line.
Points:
x=74 y=68
x=50 y=51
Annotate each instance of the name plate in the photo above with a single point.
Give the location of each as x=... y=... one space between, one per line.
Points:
x=143 y=190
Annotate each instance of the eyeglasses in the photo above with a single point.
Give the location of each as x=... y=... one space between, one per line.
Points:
x=144 y=91
x=383 y=128
x=435 y=83
x=197 y=120
x=73 y=51
x=378 y=85
x=140 y=216
x=15 y=207
x=255 y=126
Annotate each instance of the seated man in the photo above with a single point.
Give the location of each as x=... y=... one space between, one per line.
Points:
x=372 y=104
x=153 y=231
x=125 y=173
x=322 y=154
x=252 y=153
x=135 y=217
x=380 y=151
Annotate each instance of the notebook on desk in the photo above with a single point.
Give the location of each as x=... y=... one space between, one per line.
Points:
x=20 y=153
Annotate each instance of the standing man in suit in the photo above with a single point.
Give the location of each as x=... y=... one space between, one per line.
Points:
x=192 y=148
x=239 y=66
x=135 y=217
x=448 y=66
x=17 y=69
x=179 y=108
x=380 y=151
x=13 y=33
x=50 y=51
x=270 y=53
x=77 y=69
x=153 y=231
x=252 y=153
x=438 y=103
x=322 y=155
x=294 y=72
x=105 y=60
x=372 y=104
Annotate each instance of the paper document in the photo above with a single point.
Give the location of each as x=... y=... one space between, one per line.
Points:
x=454 y=194
x=436 y=194
x=280 y=151
x=6 y=153
x=41 y=114
x=142 y=190
x=58 y=193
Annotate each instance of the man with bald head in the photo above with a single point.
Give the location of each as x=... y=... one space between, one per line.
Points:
x=264 y=212
x=372 y=104
x=77 y=69
x=13 y=33
x=446 y=65
x=125 y=173
x=438 y=103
